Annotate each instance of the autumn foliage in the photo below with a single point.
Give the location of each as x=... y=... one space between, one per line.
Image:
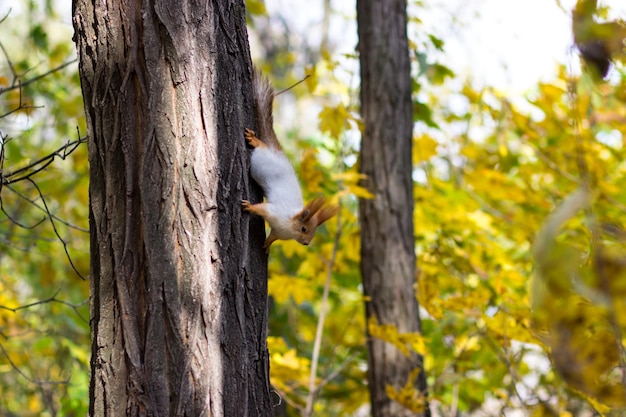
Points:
x=520 y=217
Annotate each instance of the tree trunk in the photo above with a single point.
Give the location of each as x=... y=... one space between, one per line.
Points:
x=387 y=242
x=178 y=290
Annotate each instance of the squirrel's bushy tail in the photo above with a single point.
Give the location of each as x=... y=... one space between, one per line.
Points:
x=264 y=101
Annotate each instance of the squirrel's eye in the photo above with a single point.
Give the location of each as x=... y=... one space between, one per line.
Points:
x=303 y=229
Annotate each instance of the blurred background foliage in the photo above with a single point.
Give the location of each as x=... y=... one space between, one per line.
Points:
x=519 y=216
x=44 y=309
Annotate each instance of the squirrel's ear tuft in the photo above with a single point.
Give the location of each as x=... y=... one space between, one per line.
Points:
x=318 y=209
x=311 y=208
x=304 y=215
x=325 y=213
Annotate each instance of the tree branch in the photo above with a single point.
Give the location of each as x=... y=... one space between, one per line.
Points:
x=21 y=84
x=52 y=299
x=62 y=152
x=23 y=375
x=54 y=227
x=55 y=217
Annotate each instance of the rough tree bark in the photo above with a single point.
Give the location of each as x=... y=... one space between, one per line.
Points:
x=387 y=241
x=178 y=290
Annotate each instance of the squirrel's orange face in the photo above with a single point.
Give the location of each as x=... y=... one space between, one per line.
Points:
x=313 y=215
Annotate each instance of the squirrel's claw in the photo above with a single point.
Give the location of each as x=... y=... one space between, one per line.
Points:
x=268 y=242
x=252 y=139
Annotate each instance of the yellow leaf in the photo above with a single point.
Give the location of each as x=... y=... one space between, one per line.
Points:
x=482 y=220
x=360 y=192
x=348 y=176
x=289 y=360
x=351 y=180
x=405 y=342
x=276 y=344
x=424 y=147
x=283 y=287
x=288 y=370
x=496 y=184
x=553 y=92
x=466 y=344
x=599 y=407
x=310 y=173
x=256 y=7
x=510 y=328
x=409 y=397
x=334 y=120
x=312 y=79
x=310 y=266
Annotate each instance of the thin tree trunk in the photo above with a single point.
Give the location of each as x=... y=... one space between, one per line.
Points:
x=178 y=290
x=387 y=242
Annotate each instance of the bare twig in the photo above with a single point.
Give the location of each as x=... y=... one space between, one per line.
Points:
x=55 y=217
x=10 y=244
x=16 y=222
x=325 y=26
x=336 y=372
x=62 y=152
x=6 y=55
x=54 y=227
x=75 y=307
x=6 y=16
x=553 y=165
x=21 y=84
x=20 y=106
x=282 y=396
x=35 y=303
x=23 y=375
x=52 y=299
x=292 y=86
x=310 y=399
x=3 y=139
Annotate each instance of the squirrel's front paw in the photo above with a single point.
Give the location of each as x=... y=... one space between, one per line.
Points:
x=246 y=205
x=252 y=139
x=249 y=133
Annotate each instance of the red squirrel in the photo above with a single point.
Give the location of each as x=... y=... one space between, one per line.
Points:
x=284 y=207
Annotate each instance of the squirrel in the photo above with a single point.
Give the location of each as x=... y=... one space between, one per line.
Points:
x=284 y=208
